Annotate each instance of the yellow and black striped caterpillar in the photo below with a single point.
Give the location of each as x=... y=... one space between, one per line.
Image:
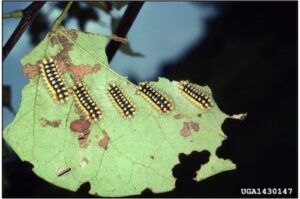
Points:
x=53 y=80
x=195 y=95
x=156 y=98
x=121 y=101
x=86 y=103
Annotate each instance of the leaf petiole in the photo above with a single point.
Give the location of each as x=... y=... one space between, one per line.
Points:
x=60 y=18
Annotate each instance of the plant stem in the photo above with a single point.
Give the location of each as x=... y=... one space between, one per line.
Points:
x=13 y=14
x=60 y=18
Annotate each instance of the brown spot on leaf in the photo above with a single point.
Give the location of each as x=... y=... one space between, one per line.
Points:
x=187 y=126
x=83 y=138
x=80 y=71
x=179 y=116
x=185 y=131
x=194 y=126
x=31 y=70
x=65 y=43
x=104 y=141
x=72 y=33
x=80 y=125
x=63 y=61
x=53 y=40
x=53 y=123
x=62 y=58
x=67 y=46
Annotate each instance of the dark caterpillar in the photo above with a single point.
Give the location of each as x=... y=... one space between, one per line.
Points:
x=195 y=95
x=53 y=80
x=157 y=99
x=86 y=102
x=121 y=101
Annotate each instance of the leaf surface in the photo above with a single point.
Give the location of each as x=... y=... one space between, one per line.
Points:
x=118 y=156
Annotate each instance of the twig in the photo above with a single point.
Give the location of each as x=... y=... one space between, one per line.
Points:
x=28 y=14
x=60 y=18
x=13 y=14
x=123 y=27
x=118 y=39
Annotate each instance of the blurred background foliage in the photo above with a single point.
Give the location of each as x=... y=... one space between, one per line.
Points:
x=248 y=57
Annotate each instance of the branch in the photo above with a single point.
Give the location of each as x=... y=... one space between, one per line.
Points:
x=13 y=14
x=123 y=27
x=28 y=14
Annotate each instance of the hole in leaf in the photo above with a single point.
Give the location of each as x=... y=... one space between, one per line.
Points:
x=83 y=190
x=232 y=129
x=186 y=170
x=147 y=193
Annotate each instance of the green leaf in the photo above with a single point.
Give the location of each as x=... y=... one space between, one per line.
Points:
x=118 y=156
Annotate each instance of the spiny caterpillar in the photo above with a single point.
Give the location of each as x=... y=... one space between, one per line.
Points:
x=194 y=94
x=161 y=102
x=121 y=101
x=86 y=103
x=53 y=80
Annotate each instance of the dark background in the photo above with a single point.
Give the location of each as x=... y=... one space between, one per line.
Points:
x=249 y=59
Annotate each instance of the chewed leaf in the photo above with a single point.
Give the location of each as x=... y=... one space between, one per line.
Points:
x=120 y=137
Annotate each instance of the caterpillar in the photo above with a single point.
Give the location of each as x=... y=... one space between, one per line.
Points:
x=86 y=102
x=53 y=80
x=195 y=95
x=121 y=101
x=156 y=98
